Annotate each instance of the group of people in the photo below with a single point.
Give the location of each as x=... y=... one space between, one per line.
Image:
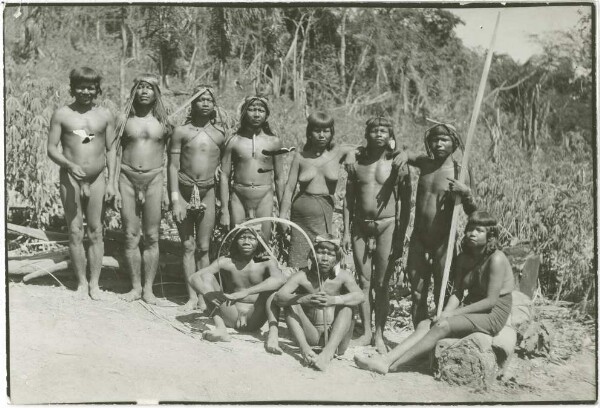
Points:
x=244 y=172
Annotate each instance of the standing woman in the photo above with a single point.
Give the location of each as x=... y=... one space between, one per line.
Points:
x=485 y=273
x=316 y=171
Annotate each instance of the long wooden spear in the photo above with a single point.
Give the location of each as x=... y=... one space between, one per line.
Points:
x=465 y=161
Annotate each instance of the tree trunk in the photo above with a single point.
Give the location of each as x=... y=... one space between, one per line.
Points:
x=343 y=51
x=363 y=57
x=306 y=33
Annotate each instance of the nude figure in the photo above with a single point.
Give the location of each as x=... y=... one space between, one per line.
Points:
x=242 y=296
x=194 y=155
x=254 y=169
x=436 y=190
x=376 y=217
x=140 y=194
x=311 y=304
x=485 y=273
x=86 y=133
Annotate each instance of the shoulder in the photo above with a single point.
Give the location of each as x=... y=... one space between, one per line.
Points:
x=61 y=113
x=179 y=131
x=274 y=140
x=422 y=160
x=217 y=127
x=498 y=258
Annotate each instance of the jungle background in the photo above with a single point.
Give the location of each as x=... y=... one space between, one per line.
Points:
x=533 y=149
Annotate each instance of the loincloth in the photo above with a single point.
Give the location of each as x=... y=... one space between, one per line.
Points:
x=193 y=191
x=248 y=195
x=371 y=229
x=314 y=214
x=140 y=180
x=83 y=184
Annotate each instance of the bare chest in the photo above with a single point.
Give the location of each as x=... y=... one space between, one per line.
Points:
x=144 y=129
x=436 y=181
x=252 y=149
x=201 y=141
x=374 y=173
x=90 y=123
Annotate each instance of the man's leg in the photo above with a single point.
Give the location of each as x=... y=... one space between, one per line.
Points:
x=419 y=271
x=438 y=264
x=237 y=209
x=272 y=341
x=339 y=330
x=70 y=196
x=303 y=331
x=188 y=240
x=362 y=262
x=384 y=267
x=132 y=226
x=204 y=231
x=265 y=209
x=94 y=214
x=382 y=363
x=222 y=315
x=150 y=227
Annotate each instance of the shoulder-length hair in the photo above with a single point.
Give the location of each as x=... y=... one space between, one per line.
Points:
x=484 y=219
x=319 y=120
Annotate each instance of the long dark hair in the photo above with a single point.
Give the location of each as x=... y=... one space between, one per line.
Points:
x=319 y=120
x=482 y=218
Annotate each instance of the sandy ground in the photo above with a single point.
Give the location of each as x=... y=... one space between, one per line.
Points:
x=67 y=350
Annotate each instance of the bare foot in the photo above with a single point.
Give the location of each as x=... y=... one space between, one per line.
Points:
x=380 y=345
x=189 y=306
x=309 y=356
x=321 y=362
x=131 y=296
x=216 y=335
x=272 y=343
x=96 y=293
x=82 y=292
x=149 y=298
x=376 y=363
x=364 y=340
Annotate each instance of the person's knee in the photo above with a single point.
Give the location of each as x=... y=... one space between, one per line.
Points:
x=189 y=246
x=151 y=239
x=364 y=281
x=76 y=234
x=424 y=325
x=132 y=239
x=95 y=234
x=442 y=326
x=202 y=248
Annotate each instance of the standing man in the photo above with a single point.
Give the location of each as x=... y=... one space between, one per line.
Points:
x=86 y=133
x=194 y=156
x=376 y=216
x=437 y=187
x=145 y=133
x=251 y=154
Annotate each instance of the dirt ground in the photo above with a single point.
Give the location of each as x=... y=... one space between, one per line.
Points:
x=65 y=350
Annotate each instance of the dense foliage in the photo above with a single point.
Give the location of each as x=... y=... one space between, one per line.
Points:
x=534 y=147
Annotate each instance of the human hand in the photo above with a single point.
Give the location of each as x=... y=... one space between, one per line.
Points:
x=400 y=160
x=76 y=171
x=179 y=209
x=235 y=296
x=216 y=298
x=313 y=299
x=224 y=219
x=109 y=194
x=346 y=243
x=326 y=300
x=350 y=162
x=165 y=201
x=118 y=200
x=457 y=187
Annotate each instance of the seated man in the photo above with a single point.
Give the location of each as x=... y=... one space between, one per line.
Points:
x=318 y=300
x=249 y=287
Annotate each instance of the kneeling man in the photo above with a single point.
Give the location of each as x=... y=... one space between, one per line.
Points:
x=244 y=292
x=310 y=310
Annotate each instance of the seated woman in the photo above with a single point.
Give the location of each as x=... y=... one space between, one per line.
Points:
x=316 y=171
x=313 y=306
x=485 y=273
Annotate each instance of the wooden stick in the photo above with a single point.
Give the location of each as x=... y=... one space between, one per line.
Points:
x=186 y=103
x=463 y=169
